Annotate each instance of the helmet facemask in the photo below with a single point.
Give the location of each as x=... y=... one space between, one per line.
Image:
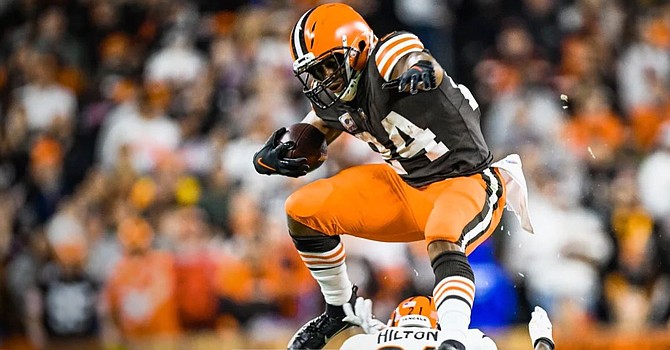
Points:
x=329 y=77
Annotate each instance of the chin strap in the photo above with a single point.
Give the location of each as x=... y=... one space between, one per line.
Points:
x=352 y=75
x=350 y=92
x=346 y=59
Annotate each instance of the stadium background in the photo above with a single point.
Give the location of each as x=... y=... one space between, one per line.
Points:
x=131 y=217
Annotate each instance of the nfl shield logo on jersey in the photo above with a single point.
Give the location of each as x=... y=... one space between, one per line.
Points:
x=348 y=122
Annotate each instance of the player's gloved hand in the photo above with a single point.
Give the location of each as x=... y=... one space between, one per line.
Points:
x=539 y=327
x=420 y=76
x=363 y=316
x=270 y=159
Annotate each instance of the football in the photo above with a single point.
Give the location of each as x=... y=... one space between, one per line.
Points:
x=309 y=143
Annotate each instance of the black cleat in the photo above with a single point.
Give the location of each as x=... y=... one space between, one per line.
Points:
x=319 y=331
x=451 y=345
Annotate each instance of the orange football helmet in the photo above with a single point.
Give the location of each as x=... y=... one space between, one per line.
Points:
x=418 y=311
x=330 y=45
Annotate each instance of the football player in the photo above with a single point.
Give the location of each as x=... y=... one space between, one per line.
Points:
x=413 y=326
x=439 y=183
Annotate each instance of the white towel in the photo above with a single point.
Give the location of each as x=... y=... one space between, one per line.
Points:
x=517 y=191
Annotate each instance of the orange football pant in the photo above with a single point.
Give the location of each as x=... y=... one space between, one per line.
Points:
x=373 y=202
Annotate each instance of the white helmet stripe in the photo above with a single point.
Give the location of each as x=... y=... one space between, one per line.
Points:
x=298 y=44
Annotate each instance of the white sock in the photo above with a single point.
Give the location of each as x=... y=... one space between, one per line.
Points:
x=454 y=296
x=335 y=284
x=329 y=269
x=454 y=319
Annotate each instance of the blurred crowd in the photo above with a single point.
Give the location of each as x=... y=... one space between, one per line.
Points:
x=130 y=210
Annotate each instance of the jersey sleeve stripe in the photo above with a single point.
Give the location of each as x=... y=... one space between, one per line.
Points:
x=390 y=43
x=397 y=55
x=395 y=48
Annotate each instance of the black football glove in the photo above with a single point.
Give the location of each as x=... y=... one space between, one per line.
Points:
x=270 y=159
x=420 y=76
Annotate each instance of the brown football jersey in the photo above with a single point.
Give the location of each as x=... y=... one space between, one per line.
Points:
x=426 y=137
